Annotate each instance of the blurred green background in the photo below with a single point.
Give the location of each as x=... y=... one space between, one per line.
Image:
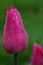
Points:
x=32 y=14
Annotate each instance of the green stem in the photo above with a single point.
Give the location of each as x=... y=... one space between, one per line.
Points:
x=16 y=59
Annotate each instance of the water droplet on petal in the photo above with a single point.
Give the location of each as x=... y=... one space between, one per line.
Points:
x=17 y=22
x=13 y=18
x=11 y=11
x=7 y=14
x=10 y=31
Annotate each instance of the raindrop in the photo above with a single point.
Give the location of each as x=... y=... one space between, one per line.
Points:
x=11 y=11
x=13 y=18
x=10 y=31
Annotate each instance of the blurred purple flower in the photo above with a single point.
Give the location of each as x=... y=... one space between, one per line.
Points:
x=37 y=55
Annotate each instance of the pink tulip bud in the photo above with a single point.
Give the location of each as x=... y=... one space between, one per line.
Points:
x=15 y=38
x=37 y=55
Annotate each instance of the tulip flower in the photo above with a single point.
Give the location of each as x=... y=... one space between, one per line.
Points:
x=15 y=38
x=37 y=55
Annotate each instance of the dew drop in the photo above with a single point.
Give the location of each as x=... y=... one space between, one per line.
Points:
x=11 y=11
x=17 y=22
x=13 y=18
x=10 y=31
x=14 y=14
